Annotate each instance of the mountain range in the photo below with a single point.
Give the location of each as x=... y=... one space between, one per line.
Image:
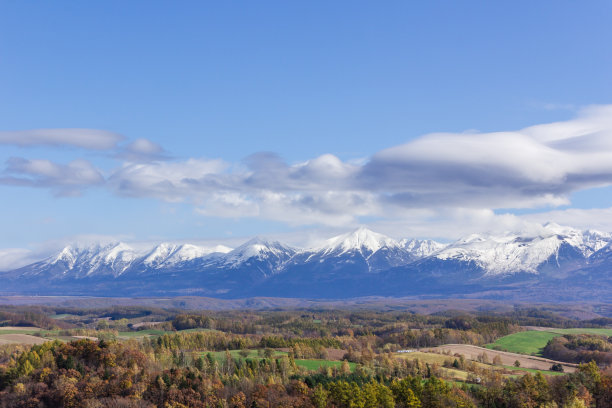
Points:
x=549 y=263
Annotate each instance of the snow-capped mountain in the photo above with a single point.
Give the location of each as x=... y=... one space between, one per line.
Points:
x=76 y=262
x=551 y=246
x=359 y=263
x=361 y=240
x=257 y=258
x=361 y=250
x=259 y=249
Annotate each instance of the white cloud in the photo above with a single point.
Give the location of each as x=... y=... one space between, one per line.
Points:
x=13 y=258
x=142 y=150
x=64 y=179
x=593 y=218
x=84 y=138
x=311 y=192
x=448 y=224
x=534 y=167
x=531 y=167
x=171 y=181
x=448 y=174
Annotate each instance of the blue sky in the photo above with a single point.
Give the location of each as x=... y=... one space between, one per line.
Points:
x=165 y=121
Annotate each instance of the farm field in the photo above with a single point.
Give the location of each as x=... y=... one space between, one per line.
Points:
x=316 y=364
x=62 y=316
x=533 y=341
x=310 y=364
x=14 y=338
x=49 y=335
x=533 y=371
x=461 y=375
x=528 y=342
x=507 y=358
x=24 y=335
x=424 y=357
x=18 y=330
x=601 y=332
x=154 y=333
x=142 y=333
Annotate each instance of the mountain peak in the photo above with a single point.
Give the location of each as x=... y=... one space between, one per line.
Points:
x=259 y=247
x=72 y=252
x=168 y=254
x=260 y=240
x=359 y=239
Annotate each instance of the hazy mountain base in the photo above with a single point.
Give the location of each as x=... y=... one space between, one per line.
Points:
x=581 y=311
x=442 y=279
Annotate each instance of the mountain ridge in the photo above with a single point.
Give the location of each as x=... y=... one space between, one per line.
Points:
x=358 y=263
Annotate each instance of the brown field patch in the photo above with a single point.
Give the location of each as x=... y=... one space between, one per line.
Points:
x=335 y=354
x=144 y=324
x=19 y=328
x=507 y=358
x=21 y=339
x=86 y=337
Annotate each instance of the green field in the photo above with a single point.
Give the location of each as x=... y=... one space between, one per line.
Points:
x=314 y=365
x=532 y=342
x=20 y=331
x=527 y=342
x=310 y=364
x=601 y=332
x=34 y=331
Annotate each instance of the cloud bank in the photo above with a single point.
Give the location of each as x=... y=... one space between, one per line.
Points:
x=538 y=166
x=535 y=167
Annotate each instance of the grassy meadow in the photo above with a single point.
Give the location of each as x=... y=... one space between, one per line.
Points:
x=309 y=364
x=533 y=341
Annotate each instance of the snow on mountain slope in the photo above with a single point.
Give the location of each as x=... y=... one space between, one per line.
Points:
x=361 y=240
x=421 y=248
x=116 y=258
x=259 y=249
x=544 y=249
x=522 y=252
x=159 y=254
x=169 y=255
x=358 y=251
x=112 y=259
x=68 y=256
x=595 y=241
x=188 y=252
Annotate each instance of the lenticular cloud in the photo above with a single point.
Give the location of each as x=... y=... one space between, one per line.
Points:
x=533 y=167
x=94 y=139
x=536 y=166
